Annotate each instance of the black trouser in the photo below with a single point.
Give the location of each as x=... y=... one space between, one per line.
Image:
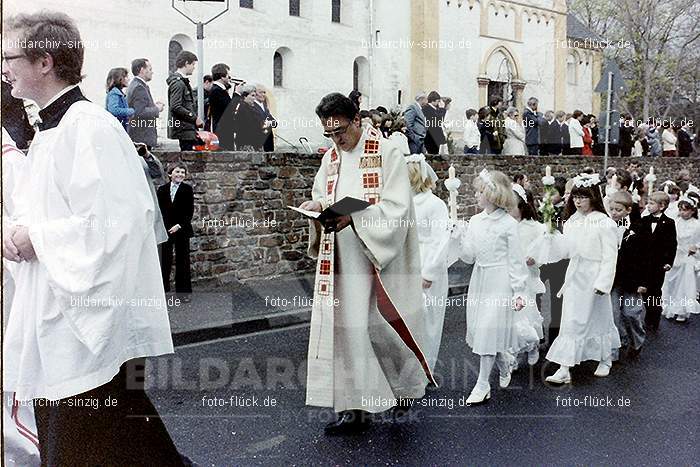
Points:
x=183 y=281
x=652 y=300
x=431 y=147
x=555 y=273
x=533 y=149
x=84 y=431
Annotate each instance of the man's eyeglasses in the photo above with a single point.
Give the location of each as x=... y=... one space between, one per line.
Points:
x=336 y=132
x=9 y=58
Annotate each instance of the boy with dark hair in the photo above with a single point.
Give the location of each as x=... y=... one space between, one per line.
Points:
x=183 y=121
x=176 y=201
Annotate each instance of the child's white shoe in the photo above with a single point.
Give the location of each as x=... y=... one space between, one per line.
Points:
x=561 y=376
x=603 y=369
x=479 y=395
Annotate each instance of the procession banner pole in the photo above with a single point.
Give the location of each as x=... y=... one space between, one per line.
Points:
x=607 y=121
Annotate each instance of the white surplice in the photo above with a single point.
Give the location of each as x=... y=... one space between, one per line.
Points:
x=433 y=221
x=587 y=329
x=371 y=366
x=19 y=440
x=93 y=297
x=679 y=291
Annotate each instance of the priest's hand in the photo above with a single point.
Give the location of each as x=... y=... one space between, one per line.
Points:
x=9 y=250
x=427 y=284
x=641 y=289
x=338 y=224
x=23 y=243
x=314 y=206
x=174 y=229
x=667 y=267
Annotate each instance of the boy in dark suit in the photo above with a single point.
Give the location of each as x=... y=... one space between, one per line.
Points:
x=630 y=274
x=176 y=200
x=661 y=251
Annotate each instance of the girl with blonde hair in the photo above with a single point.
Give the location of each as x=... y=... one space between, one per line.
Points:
x=497 y=288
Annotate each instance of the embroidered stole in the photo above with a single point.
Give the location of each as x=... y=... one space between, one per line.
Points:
x=321 y=341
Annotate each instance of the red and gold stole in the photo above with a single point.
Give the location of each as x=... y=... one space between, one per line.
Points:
x=322 y=340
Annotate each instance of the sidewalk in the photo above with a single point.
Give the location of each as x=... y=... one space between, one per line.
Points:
x=258 y=306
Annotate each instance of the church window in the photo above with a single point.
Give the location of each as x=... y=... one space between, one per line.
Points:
x=335 y=11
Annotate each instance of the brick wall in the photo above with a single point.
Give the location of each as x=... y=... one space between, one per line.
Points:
x=244 y=231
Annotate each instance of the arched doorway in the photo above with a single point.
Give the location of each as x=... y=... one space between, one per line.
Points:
x=177 y=44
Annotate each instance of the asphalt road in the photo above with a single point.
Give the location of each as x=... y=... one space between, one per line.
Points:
x=653 y=418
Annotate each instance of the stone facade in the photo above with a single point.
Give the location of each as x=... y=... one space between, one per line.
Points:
x=244 y=230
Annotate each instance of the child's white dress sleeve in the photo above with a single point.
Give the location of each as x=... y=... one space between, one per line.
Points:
x=517 y=270
x=608 y=252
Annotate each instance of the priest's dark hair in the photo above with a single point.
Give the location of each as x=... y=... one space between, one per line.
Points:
x=51 y=33
x=590 y=192
x=336 y=105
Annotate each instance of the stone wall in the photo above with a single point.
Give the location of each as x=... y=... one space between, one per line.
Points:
x=244 y=230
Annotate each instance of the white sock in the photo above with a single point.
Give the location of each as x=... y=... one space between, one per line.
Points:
x=485 y=367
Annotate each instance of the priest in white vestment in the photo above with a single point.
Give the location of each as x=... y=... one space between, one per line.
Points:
x=367 y=324
x=89 y=300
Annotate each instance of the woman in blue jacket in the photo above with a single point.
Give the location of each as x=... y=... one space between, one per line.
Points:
x=117 y=81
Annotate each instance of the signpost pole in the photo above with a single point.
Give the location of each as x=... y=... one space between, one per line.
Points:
x=611 y=76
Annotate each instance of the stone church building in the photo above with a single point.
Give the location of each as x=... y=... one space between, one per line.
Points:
x=388 y=49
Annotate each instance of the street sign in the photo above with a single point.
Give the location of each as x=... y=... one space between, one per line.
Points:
x=614 y=127
x=619 y=86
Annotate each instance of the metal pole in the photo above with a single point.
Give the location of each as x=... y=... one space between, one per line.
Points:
x=200 y=70
x=607 y=121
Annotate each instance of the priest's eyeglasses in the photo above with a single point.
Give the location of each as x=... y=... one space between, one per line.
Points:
x=337 y=132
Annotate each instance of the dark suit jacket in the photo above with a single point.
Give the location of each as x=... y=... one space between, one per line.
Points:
x=661 y=248
x=633 y=259
x=178 y=211
x=685 y=144
x=14 y=118
x=565 y=138
x=142 y=126
x=218 y=104
x=532 y=121
x=182 y=109
x=263 y=115
x=248 y=128
x=433 y=124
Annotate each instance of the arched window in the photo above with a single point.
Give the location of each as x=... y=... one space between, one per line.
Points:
x=294 y=8
x=245 y=3
x=174 y=49
x=177 y=44
x=360 y=76
x=572 y=69
x=278 y=70
x=335 y=11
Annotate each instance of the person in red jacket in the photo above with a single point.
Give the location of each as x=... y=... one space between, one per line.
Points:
x=587 y=136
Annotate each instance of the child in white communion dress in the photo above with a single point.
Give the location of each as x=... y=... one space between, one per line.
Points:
x=530 y=229
x=496 y=328
x=588 y=330
x=679 y=291
x=433 y=222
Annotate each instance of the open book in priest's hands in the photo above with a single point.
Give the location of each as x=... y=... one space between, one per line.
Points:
x=344 y=207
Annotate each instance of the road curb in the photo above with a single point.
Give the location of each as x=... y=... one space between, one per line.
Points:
x=261 y=323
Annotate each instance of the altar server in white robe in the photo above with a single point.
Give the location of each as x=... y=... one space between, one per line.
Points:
x=19 y=429
x=680 y=286
x=589 y=240
x=433 y=222
x=530 y=229
x=89 y=301
x=367 y=318
x=496 y=328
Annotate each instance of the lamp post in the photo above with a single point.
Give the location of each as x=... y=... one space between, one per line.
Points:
x=200 y=48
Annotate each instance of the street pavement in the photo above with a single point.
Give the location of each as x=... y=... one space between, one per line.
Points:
x=201 y=392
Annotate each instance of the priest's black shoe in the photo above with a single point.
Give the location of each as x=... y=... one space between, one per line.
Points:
x=349 y=421
x=401 y=409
